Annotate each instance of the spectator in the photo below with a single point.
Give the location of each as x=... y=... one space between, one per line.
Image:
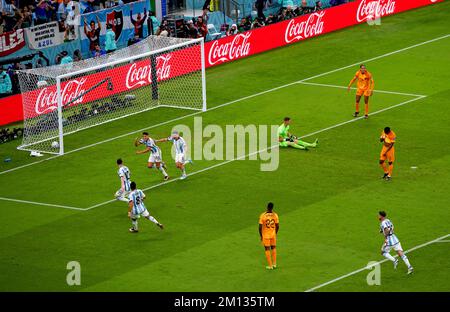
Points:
x=98 y=51
x=66 y=58
x=77 y=55
x=233 y=30
x=40 y=12
x=110 y=39
x=286 y=3
x=154 y=22
x=27 y=18
x=138 y=22
x=163 y=29
x=93 y=34
x=9 y=14
x=245 y=24
x=257 y=23
x=193 y=31
x=2 y=24
x=63 y=9
x=5 y=83
x=304 y=8
x=271 y=19
x=134 y=39
x=201 y=26
x=260 y=4
x=318 y=6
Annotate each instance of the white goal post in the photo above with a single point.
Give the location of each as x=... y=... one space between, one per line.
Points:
x=63 y=99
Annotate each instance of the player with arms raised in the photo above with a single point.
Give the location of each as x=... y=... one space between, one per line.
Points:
x=180 y=151
x=391 y=242
x=268 y=230
x=136 y=208
x=388 y=138
x=365 y=85
x=155 y=158
x=124 y=175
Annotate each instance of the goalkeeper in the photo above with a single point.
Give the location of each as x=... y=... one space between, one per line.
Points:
x=286 y=139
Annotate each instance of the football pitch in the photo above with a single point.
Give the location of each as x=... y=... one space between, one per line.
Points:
x=58 y=209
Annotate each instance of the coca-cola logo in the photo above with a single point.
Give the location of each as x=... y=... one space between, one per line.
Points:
x=311 y=27
x=372 y=9
x=237 y=48
x=140 y=74
x=47 y=99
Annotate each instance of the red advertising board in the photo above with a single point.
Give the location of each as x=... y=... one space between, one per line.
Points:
x=217 y=52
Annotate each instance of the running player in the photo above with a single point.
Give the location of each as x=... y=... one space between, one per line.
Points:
x=391 y=242
x=136 y=208
x=387 y=152
x=365 y=85
x=124 y=175
x=286 y=139
x=268 y=230
x=180 y=151
x=155 y=158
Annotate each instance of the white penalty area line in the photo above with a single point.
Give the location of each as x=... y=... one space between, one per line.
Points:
x=40 y=204
x=437 y=240
x=229 y=103
x=353 y=88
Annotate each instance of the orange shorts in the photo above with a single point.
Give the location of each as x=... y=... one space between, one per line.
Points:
x=267 y=242
x=390 y=156
x=365 y=92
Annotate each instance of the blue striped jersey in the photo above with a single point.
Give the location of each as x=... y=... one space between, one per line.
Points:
x=390 y=237
x=180 y=144
x=150 y=143
x=125 y=173
x=137 y=197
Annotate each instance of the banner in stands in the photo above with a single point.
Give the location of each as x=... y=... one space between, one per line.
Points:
x=242 y=45
x=126 y=20
x=47 y=35
x=11 y=42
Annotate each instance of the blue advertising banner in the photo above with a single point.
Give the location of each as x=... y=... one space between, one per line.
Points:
x=129 y=23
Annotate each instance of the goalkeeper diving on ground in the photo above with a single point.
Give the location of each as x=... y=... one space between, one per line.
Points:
x=286 y=139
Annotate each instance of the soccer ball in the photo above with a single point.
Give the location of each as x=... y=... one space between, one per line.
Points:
x=55 y=144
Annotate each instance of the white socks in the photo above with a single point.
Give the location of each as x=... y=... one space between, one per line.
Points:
x=151 y=218
x=389 y=257
x=162 y=170
x=405 y=259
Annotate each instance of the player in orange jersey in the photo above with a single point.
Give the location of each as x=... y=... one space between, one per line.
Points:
x=387 y=152
x=268 y=229
x=365 y=85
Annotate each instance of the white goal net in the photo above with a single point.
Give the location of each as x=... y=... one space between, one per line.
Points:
x=63 y=99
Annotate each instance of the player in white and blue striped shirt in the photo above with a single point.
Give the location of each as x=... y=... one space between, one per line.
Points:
x=136 y=208
x=391 y=242
x=124 y=175
x=180 y=151
x=155 y=157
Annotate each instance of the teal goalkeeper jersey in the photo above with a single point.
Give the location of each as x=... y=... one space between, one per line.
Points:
x=283 y=131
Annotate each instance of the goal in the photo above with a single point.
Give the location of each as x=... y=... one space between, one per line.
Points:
x=64 y=99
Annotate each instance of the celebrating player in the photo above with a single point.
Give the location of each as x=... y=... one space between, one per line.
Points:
x=268 y=229
x=391 y=242
x=387 y=152
x=180 y=151
x=365 y=85
x=136 y=208
x=286 y=139
x=155 y=158
x=124 y=175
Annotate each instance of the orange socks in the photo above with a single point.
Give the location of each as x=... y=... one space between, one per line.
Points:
x=384 y=167
x=391 y=168
x=357 y=107
x=366 y=110
x=269 y=260
x=274 y=256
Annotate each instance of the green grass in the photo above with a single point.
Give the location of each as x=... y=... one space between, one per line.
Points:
x=327 y=198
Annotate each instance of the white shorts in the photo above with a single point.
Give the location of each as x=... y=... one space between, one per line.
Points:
x=155 y=157
x=180 y=158
x=387 y=249
x=145 y=214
